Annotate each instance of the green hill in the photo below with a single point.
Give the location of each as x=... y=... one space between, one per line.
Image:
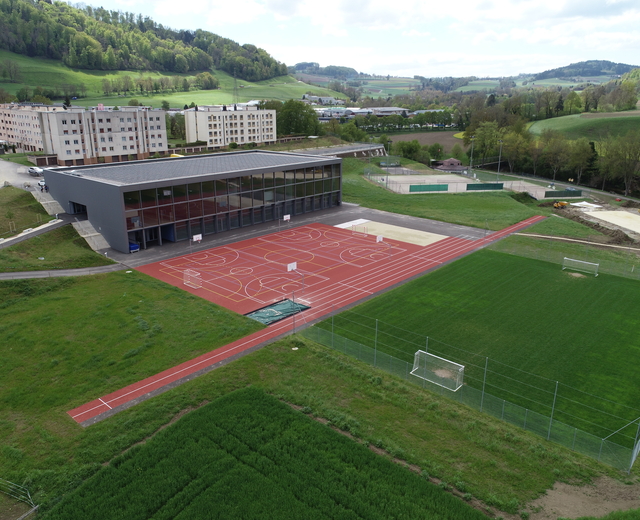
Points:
x=592 y=126
x=53 y=74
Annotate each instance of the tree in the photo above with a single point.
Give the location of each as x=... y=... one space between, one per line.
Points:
x=297 y=118
x=486 y=138
x=11 y=71
x=621 y=158
x=573 y=101
x=134 y=102
x=535 y=154
x=580 y=157
x=514 y=147
x=556 y=154
x=165 y=105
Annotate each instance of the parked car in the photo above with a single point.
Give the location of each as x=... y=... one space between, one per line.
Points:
x=42 y=183
x=34 y=170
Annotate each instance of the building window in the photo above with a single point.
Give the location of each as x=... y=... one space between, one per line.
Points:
x=64 y=121
x=124 y=147
x=104 y=148
x=159 y=144
x=130 y=138
x=110 y=139
x=108 y=120
x=77 y=152
x=130 y=129
x=108 y=129
x=131 y=147
x=122 y=129
x=157 y=119
x=153 y=145
x=124 y=138
x=99 y=120
x=122 y=119
x=128 y=120
x=68 y=152
x=102 y=140
x=67 y=142
x=66 y=132
x=111 y=148
x=102 y=130
x=73 y=121
x=75 y=141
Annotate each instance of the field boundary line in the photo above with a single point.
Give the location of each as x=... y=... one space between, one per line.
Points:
x=564 y=239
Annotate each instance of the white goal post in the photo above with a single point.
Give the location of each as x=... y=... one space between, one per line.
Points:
x=437 y=370
x=192 y=279
x=580 y=265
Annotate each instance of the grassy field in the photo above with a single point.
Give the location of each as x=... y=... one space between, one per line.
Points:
x=492 y=210
x=67 y=341
x=537 y=325
x=581 y=125
x=248 y=453
x=60 y=248
x=43 y=72
x=19 y=210
x=481 y=84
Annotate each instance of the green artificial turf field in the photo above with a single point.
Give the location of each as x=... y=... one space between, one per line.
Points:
x=534 y=322
x=247 y=453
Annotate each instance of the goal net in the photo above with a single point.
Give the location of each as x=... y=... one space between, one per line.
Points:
x=192 y=279
x=437 y=370
x=579 y=265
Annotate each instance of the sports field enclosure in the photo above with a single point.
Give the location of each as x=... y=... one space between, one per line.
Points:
x=548 y=349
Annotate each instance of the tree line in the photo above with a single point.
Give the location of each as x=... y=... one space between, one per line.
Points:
x=146 y=84
x=99 y=39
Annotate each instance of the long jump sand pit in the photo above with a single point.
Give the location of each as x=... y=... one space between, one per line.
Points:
x=411 y=236
x=624 y=219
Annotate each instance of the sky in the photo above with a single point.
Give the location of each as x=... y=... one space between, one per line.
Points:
x=484 y=38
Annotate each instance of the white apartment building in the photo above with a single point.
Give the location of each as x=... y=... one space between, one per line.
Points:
x=220 y=125
x=79 y=136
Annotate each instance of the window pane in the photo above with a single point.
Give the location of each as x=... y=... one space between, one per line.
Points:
x=131 y=200
x=182 y=211
x=246 y=200
x=268 y=180
x=221 y=187
x=246 y=217
x=180 y=193
x=134 y=219
x=207 y=189
x=165 y=195
x=209 y=206
x=234 y=202
x=245 y=183
x=209 y=225
x=257 y=182
x=195 y=208
x=222 y=204
x=148 y=197
x=279 y=178
x=181 y=231
x=300 y=190
x=166 y=214
x=150 y=217
x=195 y=191
x=233 y=185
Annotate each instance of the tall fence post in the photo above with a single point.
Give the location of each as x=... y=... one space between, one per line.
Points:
x=553 y=408
x=426 y=347
x=375 y=345
x=484 y=381
x=332 y=326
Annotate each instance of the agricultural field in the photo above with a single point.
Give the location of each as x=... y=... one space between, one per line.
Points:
x=60 y=248
x=248 y=453
x=446 y=138
x=44 y=72
x=480 y=84
x=534 y=322
x=392 y=87
x=491 y=211
x=591 y=126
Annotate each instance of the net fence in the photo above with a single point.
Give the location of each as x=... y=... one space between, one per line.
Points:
x=556 y=412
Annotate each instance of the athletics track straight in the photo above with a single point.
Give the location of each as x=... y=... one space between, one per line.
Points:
x=340 y=267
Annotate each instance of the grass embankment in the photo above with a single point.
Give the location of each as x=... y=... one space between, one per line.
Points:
x=60 y=248
x=19 y=210
x=247 y=453
x=494 y=211
x=594 y=129
x=51 y=73
x=68 y=341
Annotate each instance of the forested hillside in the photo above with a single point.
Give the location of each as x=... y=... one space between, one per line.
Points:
x=586 y=68
x=98 y=39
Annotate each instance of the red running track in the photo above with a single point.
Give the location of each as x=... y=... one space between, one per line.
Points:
x=338 y=288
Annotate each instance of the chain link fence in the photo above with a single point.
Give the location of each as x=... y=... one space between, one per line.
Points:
x=616 y=448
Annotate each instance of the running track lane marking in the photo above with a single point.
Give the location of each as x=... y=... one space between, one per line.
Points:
x=323 y=307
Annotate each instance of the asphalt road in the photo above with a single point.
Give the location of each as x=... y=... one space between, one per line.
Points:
x=15 y=174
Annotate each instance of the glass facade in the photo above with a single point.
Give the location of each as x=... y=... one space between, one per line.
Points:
x=184 y=210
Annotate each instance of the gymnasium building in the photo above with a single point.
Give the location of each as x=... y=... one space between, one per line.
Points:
x=148 y=203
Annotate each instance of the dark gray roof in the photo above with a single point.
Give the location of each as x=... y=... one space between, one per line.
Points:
x=137 y=172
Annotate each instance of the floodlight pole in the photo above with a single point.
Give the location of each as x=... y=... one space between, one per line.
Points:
x=499 y=159
x=553 y=407
x=484 y=381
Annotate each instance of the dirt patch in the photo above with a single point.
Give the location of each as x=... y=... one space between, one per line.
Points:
x=604 y=496
x=446 y=139
x=441 y=372
x=614 y=234
x=577 y=275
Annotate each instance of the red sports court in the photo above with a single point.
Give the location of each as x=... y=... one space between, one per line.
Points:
x=334 y=268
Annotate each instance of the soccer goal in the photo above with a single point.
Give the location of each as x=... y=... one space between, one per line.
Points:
x=192 y=279
x=579 y=265
x=437 y=370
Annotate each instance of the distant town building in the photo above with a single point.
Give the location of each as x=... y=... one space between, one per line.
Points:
x=220 y=125
x=322 y=100
x=79 y=136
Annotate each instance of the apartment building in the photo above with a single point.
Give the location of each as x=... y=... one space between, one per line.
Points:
x=220 y=125
x=79 y=136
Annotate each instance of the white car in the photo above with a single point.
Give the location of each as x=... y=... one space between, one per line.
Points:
x=34 y=170
x=42 y=183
